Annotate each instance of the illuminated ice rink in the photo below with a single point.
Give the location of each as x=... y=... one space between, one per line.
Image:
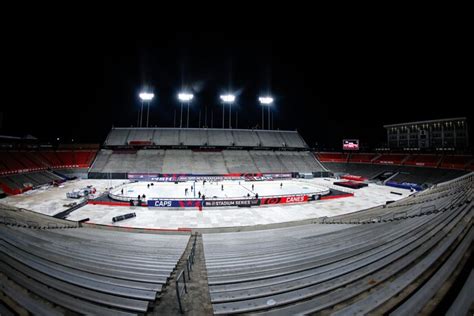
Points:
x=219 y=190
x=53 y=200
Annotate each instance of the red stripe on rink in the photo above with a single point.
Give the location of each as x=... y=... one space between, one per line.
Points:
x=331 y=197
x=111 y=203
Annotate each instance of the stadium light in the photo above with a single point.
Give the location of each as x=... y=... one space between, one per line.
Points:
x=145 y=97
x=229 y=99
x=267 y=100
x=184 y=97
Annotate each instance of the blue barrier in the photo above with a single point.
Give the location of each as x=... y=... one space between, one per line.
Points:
x=173 y=203
x=404 y=185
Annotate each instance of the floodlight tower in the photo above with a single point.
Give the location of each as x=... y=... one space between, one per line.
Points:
x=229 y=99
x=266 y=101
x=145 y=97
x=184 y=97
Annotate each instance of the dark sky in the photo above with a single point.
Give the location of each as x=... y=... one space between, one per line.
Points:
x=329 y=87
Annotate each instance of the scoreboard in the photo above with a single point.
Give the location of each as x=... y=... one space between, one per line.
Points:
x=350 y=144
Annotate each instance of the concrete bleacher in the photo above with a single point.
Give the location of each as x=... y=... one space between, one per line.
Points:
x=204 y=162
x=101 y=159
x=204 y=137
x=341 y=269
x=271 y=139
x=365 y=170
x=438 y=198
x=140 y=135
x=243 y=138
x=123 y=162
x=293 y=139
x=419 y=175
x=31 y=179
x=193 y=137
x=239 y=161
x=84 y=270
x=148 y=160
x=426 y=175
x=166 y=137
x=14 y=161
x=118 y=137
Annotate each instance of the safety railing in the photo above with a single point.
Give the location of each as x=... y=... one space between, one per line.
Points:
x=181 y=287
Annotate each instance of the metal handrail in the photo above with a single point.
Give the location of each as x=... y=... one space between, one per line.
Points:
x=181 y=275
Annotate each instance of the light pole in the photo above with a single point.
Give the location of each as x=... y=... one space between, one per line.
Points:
x=141 y=114
x=184 y=97
x=147 y=97
x=227 y=98
x=266 y=101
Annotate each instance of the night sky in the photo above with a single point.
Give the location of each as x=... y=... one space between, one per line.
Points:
x=326 y=87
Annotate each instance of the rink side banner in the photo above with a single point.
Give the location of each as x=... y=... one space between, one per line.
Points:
x=170 y=177
x=173 y=203
x=217 y=203
x=284 y=199
x=224 y=203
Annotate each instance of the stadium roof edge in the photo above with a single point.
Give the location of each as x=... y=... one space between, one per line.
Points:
x=427 y=122
x=214 y=129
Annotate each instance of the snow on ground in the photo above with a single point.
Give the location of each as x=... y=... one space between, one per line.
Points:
x=364 y=198
x=51 y=200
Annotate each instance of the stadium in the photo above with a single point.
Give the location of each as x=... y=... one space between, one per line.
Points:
x=212 y=219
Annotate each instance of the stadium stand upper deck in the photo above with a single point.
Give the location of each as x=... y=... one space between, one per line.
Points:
x=204 y=137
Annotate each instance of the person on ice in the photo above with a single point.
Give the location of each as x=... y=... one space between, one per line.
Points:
x=252 y=187
x=186 y=191
x=199 y=194
x=122 y=191
x=281 y=185
x=222 y=187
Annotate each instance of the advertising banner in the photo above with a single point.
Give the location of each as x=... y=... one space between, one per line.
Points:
x=182 y=177
x=217 y=203
x=173 y=203
x=285 y=199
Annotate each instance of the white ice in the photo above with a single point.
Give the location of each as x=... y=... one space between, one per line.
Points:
x=218 y=190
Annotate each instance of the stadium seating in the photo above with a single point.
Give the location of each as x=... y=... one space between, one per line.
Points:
x=362 y=157
x=12 y=162
x=417 y=175
x=239 y=161
x=204 y=162
x=20 y=181
x=118 y=137
x=204 y=137
x=426 y=175
x=28 y=169
x=271 y=139
x=423 y=160
x=391 y=159
x=332 y=157
x=343 y=269
x=245 y=139
x=220 y=137
x=456 y=162
x=435 y=199
x=140 y=135
x=85 y=271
